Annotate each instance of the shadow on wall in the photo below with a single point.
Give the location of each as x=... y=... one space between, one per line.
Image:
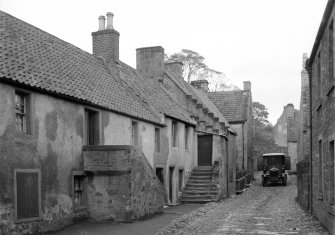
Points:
x=121 y=184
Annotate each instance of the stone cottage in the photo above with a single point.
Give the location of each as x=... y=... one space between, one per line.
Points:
x=213 y=135
x=285 y=132
x=321 y=165
x=85 y=135
x=236 y=106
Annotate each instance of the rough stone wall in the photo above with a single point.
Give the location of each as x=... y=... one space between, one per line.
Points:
x=220 y=171
x=232 y=163
x=304 y=126
x=323 y=129
x=53 y=146
x=280 y=130
x=240 y=146
x=303 y=184
x=122 y=184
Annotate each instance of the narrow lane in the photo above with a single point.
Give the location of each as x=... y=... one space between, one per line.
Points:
x=259 y=210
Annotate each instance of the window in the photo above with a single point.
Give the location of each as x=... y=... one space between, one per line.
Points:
x=319 y=73
x=27 y=194
x=134 y=133
x=331 y=52
x=157 y=140
x=92 y=127
x=22 y=112
x=187 y=129
x=319 y=114
x=320 y=166
x=159 y=173
x=181 y=179
x=331 y=173
x=78 y=191
x=174 y=134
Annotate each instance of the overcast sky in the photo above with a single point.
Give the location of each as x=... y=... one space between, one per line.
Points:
x=261 y=41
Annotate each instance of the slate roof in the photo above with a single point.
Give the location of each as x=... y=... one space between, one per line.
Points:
x=201 y=96
x=232 y=104
x=35 y=58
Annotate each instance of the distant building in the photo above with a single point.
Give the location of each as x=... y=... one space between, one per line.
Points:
x=285 y=132
x=319 y=168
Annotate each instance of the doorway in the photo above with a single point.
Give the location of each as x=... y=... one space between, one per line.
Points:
x=205 y=146
x=171 y=171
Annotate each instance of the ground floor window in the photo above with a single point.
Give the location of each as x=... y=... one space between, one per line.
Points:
x=27 y=194
x=159 y=173
x=78 y=188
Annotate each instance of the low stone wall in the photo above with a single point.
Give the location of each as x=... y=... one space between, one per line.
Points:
x=303 y=184
x=121 y=184
x=218 y=177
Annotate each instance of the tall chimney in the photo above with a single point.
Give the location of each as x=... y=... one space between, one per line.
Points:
x=175 y=67
x=101 y=23
x=150 y=60
x=247 y=85
x=304 y=59
x=106 y=40
x=289 y=109
x=110 y=16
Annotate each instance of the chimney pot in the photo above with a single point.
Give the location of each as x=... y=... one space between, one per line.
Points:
x=101 y=23
x=109 y=20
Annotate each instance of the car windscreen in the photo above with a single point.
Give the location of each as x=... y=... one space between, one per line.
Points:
x=274 y=160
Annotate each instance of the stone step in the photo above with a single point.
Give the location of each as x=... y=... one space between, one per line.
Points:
x=197 y=201
x=197 y=197
x=190 y=193
x=200 y=177
x=212 y=188
x=199 y=181
x=200 y=173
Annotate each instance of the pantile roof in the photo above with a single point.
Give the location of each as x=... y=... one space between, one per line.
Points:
x=201 y=96
x=35 y=58
x=232 y=104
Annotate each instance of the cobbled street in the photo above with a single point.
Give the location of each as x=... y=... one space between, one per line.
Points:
x=259 y=210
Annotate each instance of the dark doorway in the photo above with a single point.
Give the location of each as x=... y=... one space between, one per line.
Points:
x=159 y=173
x=205 y=146
x=171 y=171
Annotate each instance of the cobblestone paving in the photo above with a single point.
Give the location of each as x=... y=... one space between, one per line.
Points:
x=259 y=210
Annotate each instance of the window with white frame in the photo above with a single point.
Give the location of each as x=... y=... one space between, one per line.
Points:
x=134 y=133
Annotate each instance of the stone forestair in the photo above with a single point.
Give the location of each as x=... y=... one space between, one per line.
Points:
x=200 y=188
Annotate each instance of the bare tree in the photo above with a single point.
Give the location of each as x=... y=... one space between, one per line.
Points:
x=192 y=61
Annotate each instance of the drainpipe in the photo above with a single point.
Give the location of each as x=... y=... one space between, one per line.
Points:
x=309 y=70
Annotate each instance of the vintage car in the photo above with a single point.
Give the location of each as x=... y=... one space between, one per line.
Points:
x=274 y=168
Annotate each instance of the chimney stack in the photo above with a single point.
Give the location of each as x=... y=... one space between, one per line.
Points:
x=304 y=59
x=247 y=85
x=101 y=23
x=106 y=40
x=200 y=84
x=110 y=16
x=150 y=60
x=175 y=67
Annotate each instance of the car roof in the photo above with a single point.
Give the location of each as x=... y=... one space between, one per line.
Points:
x=273 y=154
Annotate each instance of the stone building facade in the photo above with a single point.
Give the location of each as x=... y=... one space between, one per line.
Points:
x=236 y=106
x=320 y=67
x=79 y=132
x=286 y=132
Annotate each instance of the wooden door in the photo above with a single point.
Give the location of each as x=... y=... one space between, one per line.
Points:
x=205 y=146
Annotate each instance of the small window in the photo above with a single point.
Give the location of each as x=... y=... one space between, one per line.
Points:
x=174 y=134
x=134 y=133
x=319 y=73
x=27 y=194
x=332 y=173
x=331 y=51
x=181 y=179
x=187 y=130
x=22 y=112
x=157 y=140
x=78 y=191
x=320 y=166
x=92 y=127
x=159 y=173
